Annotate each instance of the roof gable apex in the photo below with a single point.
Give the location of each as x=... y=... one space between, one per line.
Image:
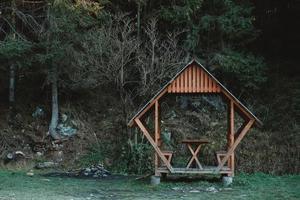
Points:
x=193 y=79
x=212 y=86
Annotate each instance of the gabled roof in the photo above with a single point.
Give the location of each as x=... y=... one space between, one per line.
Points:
x=223 y=88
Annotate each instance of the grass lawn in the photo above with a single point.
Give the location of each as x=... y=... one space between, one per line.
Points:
x=17 y=185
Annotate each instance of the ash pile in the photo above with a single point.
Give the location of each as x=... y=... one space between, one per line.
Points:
x=94 y=171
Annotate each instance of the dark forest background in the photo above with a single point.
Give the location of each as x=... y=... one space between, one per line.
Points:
x=73 y=73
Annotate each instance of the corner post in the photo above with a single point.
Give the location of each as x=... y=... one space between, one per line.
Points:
x=230 y=135
x=157 y=135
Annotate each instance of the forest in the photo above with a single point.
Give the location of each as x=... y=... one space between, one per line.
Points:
x=74 y=72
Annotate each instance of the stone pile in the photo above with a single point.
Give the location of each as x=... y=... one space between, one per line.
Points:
x=94 y=171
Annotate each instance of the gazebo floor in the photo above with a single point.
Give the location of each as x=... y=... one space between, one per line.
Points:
x=205 y=170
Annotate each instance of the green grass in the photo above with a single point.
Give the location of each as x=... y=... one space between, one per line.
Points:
x=17 y=185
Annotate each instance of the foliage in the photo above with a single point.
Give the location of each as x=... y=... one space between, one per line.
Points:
x=95 y=155
x=184 y=13
x=236 y=22
x=15 y=49
x=212 y=25
x=296 y=99
x=136 y=158
x=64 y=20
x=241 y=69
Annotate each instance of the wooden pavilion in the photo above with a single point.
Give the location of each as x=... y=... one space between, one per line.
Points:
x=196 y=79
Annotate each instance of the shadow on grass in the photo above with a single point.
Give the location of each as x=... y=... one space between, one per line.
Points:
x=190 y=179
x=79 y=176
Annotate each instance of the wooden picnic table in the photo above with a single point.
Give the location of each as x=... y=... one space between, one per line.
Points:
x=197 y=143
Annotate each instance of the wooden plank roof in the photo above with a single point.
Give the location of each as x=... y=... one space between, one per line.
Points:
x=216 y=87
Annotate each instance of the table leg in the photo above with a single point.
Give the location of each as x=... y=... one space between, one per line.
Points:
x=194 y=156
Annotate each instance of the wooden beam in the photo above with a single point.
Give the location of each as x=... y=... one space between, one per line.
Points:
x=152 y=102
x=152 y=142
x=190 y=80
x=238 y=132
x=33 y=2
x=186 y=87
x=241 y=110
x=157 y=134
x=230 y=134
x=205 y=170
x=181 y=83
x=177 y=80
x=194 y=79
x=235 y=144
x=173 y=86
x=202 y=81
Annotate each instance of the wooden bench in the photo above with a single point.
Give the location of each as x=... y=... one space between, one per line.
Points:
x=168 y=155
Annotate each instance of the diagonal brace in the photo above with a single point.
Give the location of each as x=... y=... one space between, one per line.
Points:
x=152 y=142
x=233 y=147
x=194 y=156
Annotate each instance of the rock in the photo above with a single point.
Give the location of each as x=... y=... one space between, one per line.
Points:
x=213 y=124
x=97 y=171
x=57 y=156
x=194 y=191
x=227 y=189
x=88 y=170
x=64 y=118
x=66 y=126
x=10 y=156
x=211 y=189
x=65 y=130
x=74 y=123
x=176 y=188
x=44 y=165
x=30 y=173
x=39 y=112
x=17 y=155
x=39 y=154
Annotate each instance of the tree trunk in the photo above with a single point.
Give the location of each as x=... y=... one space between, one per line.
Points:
x=54 y=90
x=138 y=20
x=12 y=88
x=54 y=114
x=12 y=69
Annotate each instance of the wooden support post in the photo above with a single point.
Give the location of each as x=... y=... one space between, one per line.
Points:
x=157 y=135
x=152 y=142
x=238 y=132
x=230 y=135
x=239 y=109
x=148 y=106
x=236 y=142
